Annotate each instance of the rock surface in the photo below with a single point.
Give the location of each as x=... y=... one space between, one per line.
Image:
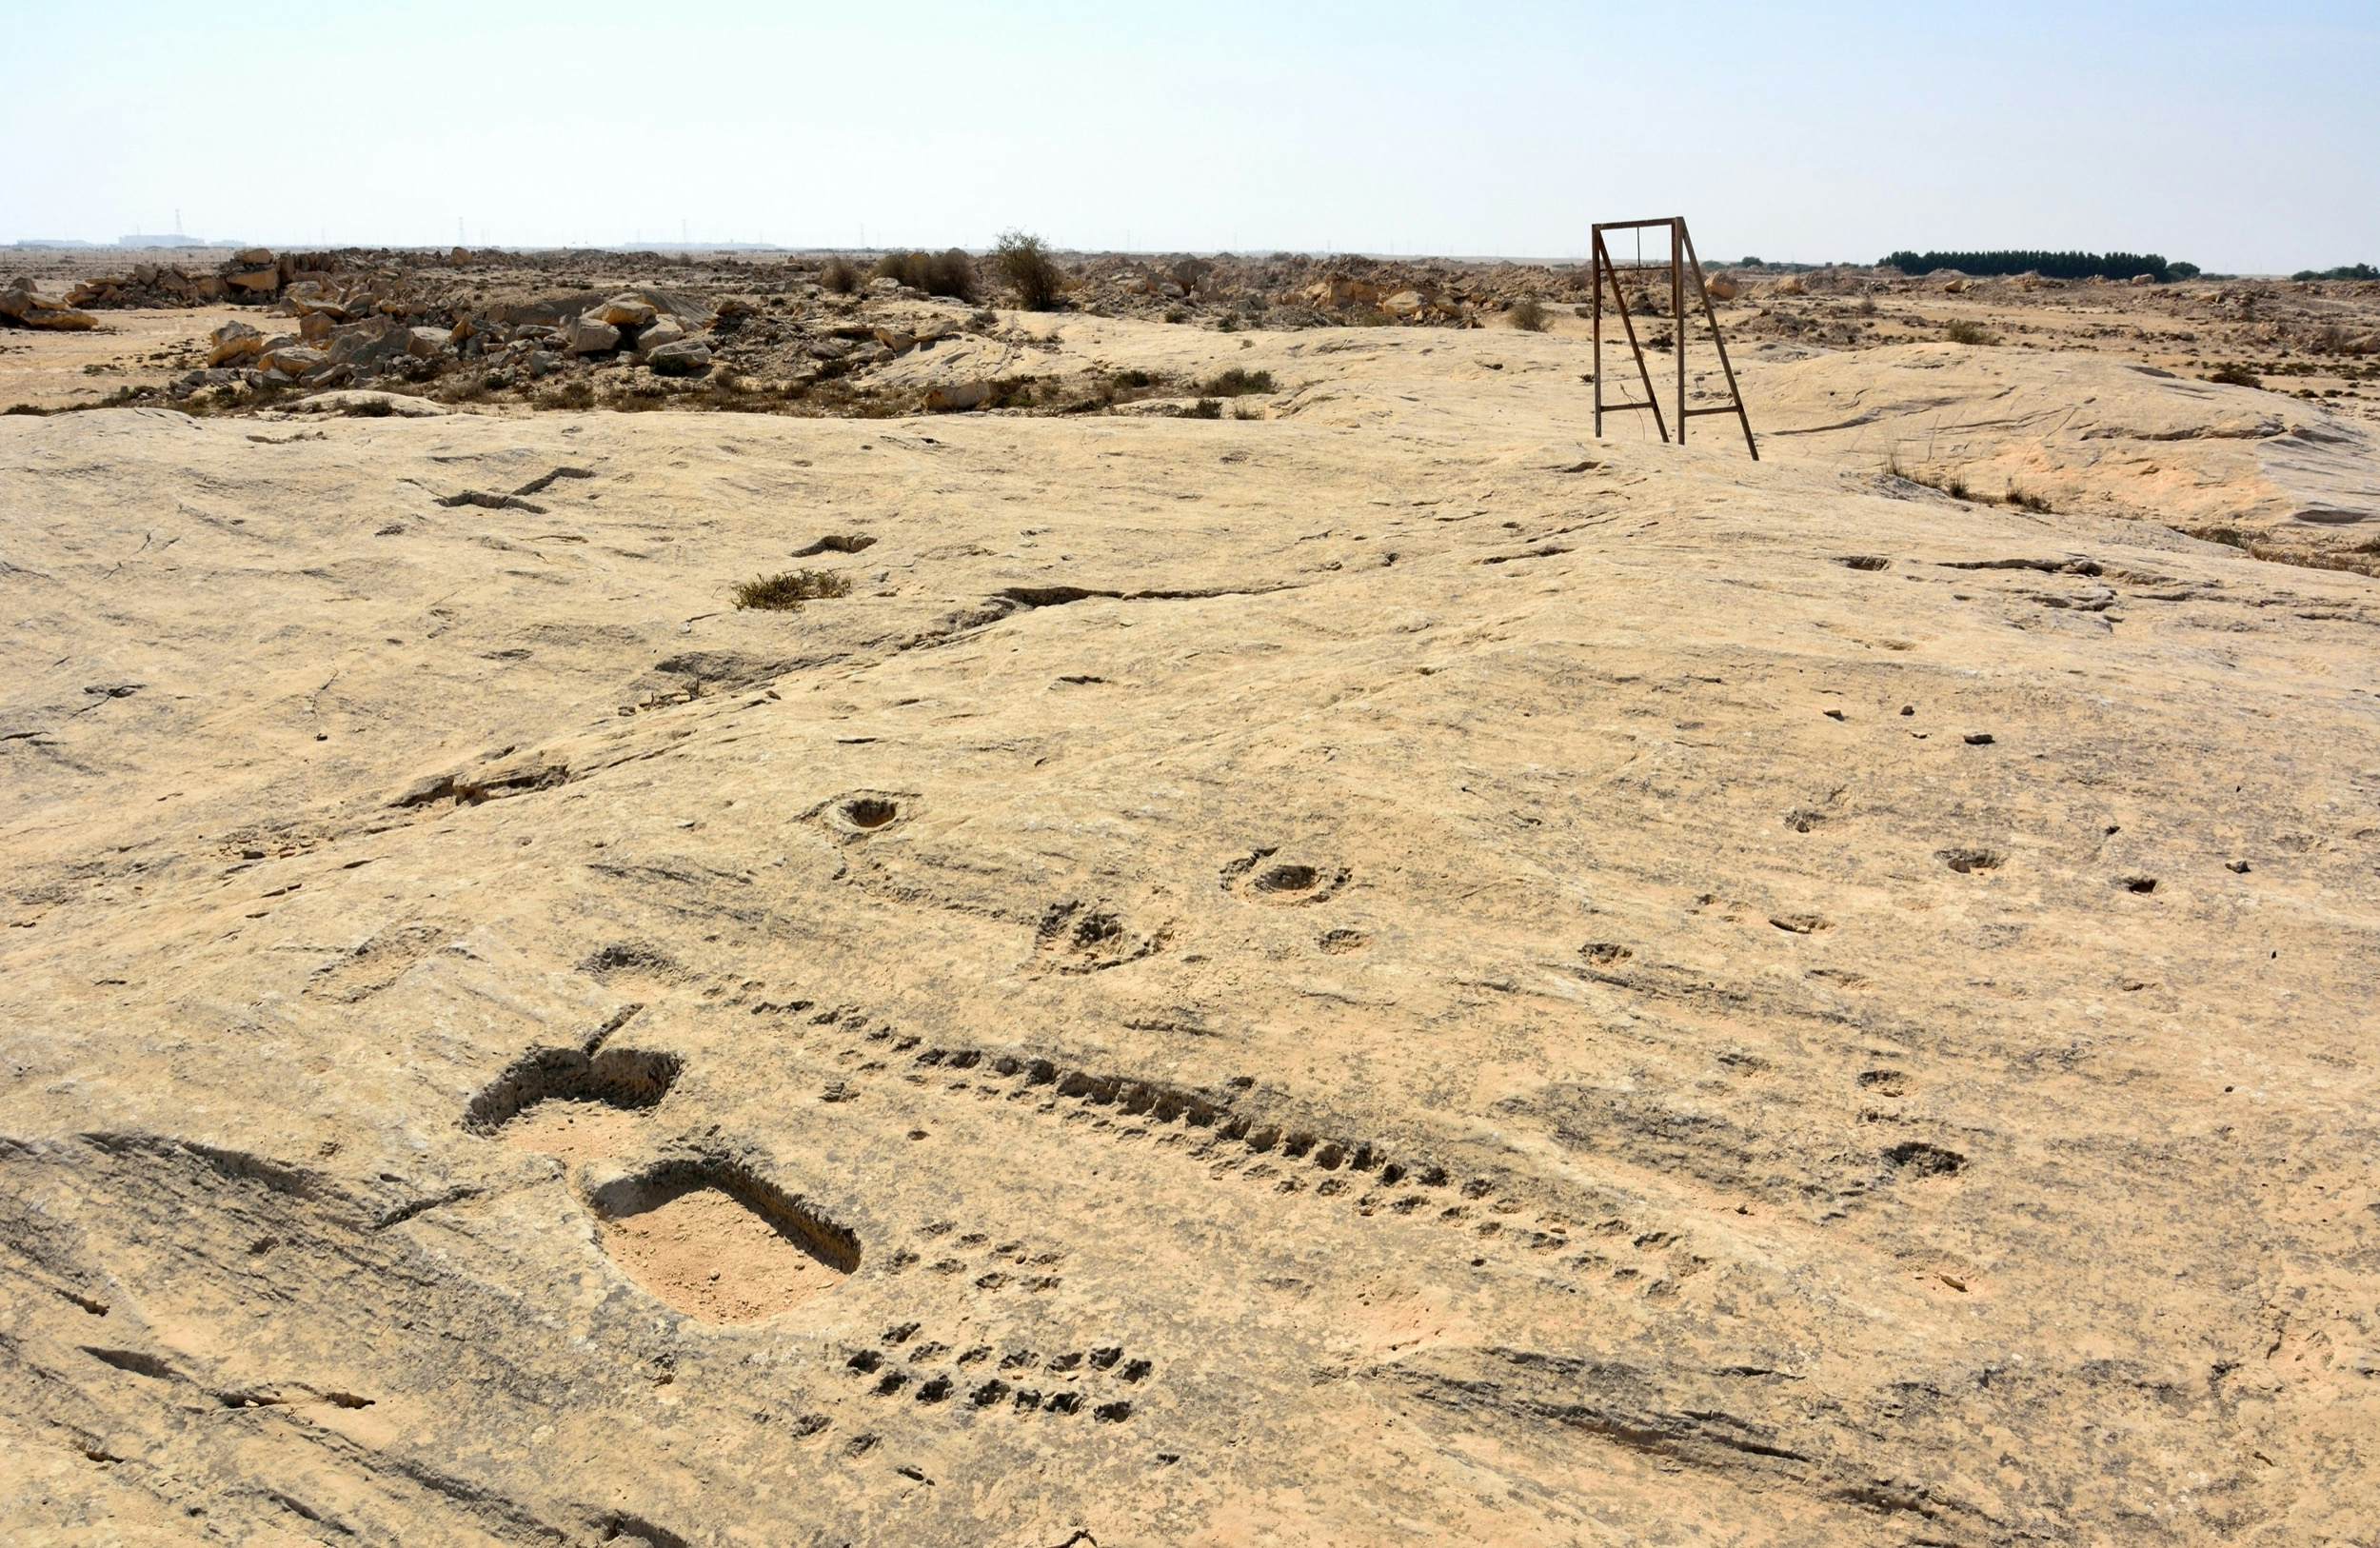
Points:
x=27 y=307
x=1392 y=970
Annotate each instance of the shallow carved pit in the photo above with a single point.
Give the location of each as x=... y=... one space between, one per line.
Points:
x=719 y=1242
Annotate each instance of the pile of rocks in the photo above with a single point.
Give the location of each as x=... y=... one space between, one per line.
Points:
x=24 y=306
x=253 y=275
x=355 y=337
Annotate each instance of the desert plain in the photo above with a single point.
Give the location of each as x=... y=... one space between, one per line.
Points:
x=1290 y=948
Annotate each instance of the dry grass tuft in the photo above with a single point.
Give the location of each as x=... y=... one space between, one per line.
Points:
x=786 y=591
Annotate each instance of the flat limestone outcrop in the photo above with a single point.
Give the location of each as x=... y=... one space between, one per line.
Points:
x=1387 y=970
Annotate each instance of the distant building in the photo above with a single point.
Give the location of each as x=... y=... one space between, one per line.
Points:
x=175 y=241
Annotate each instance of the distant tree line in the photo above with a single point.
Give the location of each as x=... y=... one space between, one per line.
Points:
x=2345 y=271
x=2061 y=265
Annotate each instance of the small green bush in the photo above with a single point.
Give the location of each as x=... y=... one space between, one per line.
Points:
x=1529 y=315
x=2236 y=376
x=1962 y=331
x=840 y=275
x=787 y=592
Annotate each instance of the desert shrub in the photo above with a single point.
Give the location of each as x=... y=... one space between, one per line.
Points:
x=23 y=408
x=2063 y=265
x=840 y=275
x=1529 y=315
x=1203 y=408
x=2235 y=376
x=1024 y=264
x=1962 y=331
x=1176 y=314
x=788 y=590
x=1236 y=382
x=2026 y=500
x=950 y=274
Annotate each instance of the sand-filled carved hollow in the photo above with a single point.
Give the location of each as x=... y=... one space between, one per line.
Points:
x=716 y=1241
x=573 y=1106
x=632 y=1078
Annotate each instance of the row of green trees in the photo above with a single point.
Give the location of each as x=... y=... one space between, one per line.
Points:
x=2063 y=265
x=2345 y=271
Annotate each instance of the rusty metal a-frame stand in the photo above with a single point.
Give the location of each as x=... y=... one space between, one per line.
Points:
x=1681 y=258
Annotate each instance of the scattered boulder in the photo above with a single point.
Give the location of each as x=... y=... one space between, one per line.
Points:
x=623 y=312
x=899 y=340
x=956 y=397
x=686 y=357
x=234 y=343
x=1723 y=287
x=666 y=331
x=294 y=361
x=363 y=402
x=369 y=345
x=426 y=343
x=27 y=307
x=586 y=337
x=308 y=297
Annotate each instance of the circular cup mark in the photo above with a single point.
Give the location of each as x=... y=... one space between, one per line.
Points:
x=1287 y=879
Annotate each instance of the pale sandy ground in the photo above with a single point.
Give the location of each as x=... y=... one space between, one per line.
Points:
x=1426 y=978
x=127 y=348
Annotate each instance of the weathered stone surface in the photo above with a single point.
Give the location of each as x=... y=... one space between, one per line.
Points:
x=1253 y=974
x=586 y=337
x=370 y=344
x=1387 y=973
x=664 y=331
x=27 y=307
x=233 y=344
x=623 y=312
x=293 y=359
x=958 y=395
x=686 y=357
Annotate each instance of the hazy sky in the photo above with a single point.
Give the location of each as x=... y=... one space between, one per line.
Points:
x=2241 y=137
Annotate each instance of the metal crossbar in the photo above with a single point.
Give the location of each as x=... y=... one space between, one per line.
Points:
x=1681 y=262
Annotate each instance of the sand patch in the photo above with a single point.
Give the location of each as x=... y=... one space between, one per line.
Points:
x=710 y=1255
